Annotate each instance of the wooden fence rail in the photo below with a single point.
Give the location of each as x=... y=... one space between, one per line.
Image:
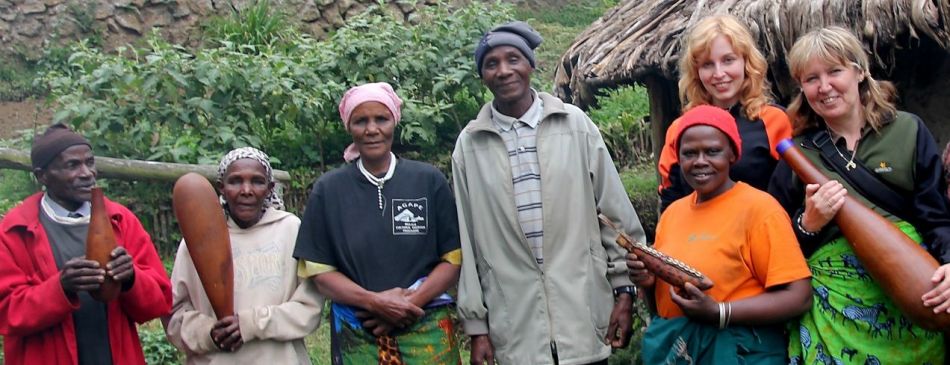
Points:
x=117 y=168
x=160 y=219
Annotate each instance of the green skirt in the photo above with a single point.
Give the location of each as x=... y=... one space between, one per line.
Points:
x=431 y=340
x=852 y=320
x=682 y=341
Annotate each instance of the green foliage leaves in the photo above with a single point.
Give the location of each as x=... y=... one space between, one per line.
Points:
x=16 y=186
x=573 y=14
x=158 y=351
x=620 y=114
x=264 y=85
x=259 y=25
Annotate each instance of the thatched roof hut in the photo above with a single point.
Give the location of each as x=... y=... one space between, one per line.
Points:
x=639 y=42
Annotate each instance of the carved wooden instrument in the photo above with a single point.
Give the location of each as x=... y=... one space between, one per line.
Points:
x=205 y=231
x=668 y=269
x=100 y=241
x=901 y=266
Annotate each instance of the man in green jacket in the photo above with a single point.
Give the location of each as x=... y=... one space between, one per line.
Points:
x=541 y=281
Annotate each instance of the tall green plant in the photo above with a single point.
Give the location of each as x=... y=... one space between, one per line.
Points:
x=259 y=24
x=621 y=115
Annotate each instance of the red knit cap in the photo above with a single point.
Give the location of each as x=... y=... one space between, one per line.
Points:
x=713 y=117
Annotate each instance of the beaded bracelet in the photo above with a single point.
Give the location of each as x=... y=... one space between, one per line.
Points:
x=798 y=221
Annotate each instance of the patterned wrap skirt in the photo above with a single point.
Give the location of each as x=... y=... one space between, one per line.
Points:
x=430 y=340
x=852 y=320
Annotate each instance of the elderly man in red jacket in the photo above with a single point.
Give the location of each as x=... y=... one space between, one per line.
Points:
x=47 y=315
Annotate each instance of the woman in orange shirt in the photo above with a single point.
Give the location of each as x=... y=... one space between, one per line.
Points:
x=737 y=235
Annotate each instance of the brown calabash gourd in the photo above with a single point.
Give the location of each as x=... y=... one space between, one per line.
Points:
x=666 y=268
x=100 y=241
x=204 y=228
x=898 y=264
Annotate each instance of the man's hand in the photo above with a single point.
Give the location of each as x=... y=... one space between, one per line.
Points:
x=79 y=274
x=638 y=272
x=120 y=267
x=226 y=334
x=621 y=320
x=482 y=351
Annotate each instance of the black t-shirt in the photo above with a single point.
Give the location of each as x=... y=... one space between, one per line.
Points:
x=380 y=249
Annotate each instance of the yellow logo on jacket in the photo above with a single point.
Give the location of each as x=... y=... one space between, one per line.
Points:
x=883 y=167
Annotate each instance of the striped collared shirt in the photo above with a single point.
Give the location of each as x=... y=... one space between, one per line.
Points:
x=520 y=136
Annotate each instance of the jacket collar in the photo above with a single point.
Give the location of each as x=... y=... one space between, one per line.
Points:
x=26 y=215
x=483 y=122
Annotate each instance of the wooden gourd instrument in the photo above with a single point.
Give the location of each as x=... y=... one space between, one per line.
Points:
x=100 y=241
x=668 y=269
x=898 y=264
x=204 y=228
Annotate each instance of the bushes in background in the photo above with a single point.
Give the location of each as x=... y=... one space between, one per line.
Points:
x=166 y=103
x=621 y=114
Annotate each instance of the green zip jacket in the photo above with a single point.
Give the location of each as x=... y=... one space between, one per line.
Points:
x=533 y=312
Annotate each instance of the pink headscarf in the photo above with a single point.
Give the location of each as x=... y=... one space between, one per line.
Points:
x=380 y=92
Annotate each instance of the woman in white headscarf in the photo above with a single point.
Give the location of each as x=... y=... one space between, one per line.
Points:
x=274 y=308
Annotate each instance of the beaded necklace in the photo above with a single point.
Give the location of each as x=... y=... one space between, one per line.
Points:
x=379 y=181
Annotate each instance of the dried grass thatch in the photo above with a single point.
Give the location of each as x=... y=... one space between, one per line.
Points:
x=641 y=39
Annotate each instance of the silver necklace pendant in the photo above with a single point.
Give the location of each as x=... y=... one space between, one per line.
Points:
x=850 y=165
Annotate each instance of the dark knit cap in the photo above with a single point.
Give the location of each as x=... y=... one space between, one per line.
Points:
x=713 y=117
x=52 y=142
x=516 y=34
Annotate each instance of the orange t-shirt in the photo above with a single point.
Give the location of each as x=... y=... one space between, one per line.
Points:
x=742 y=240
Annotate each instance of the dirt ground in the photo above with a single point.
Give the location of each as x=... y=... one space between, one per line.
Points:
x=16 y=116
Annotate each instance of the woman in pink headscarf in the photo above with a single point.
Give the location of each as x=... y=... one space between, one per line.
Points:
x=380 y=239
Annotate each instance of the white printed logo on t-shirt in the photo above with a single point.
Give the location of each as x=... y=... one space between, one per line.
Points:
x=410 y=216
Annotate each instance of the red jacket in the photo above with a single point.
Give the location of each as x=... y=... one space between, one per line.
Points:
x=36 y=315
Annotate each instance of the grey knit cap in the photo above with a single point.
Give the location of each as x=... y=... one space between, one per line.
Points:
x=517 y=34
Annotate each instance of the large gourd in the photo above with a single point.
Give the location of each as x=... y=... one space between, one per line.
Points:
x=205 y=231
x=100 y=241
x=898 y=264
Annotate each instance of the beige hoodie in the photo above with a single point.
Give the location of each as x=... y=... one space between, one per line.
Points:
x=276 y=309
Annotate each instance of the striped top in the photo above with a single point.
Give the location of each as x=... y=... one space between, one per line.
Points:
x=520 y=136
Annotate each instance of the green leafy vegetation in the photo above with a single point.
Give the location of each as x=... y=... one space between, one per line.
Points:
x=621 y=116
x=641 y=184
x=260 y=25
x=559 y=26
x=20 y=71
x=15 y=186
x=157 y=349
x=576 y=14
x=192 y=106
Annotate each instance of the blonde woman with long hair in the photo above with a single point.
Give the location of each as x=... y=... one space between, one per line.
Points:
x=847 y=124
x=721 y=66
